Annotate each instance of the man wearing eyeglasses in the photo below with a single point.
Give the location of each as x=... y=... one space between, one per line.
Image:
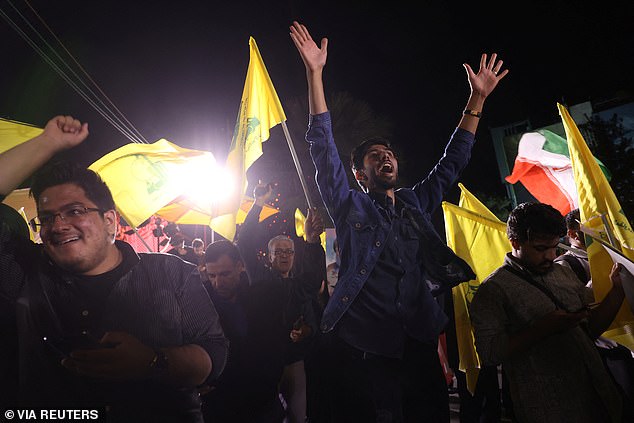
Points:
x=296 y=291
x=98 y=325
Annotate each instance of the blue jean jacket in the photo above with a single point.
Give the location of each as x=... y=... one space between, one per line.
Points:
x=362 y=231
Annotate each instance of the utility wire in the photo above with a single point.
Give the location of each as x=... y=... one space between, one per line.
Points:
x=131 y=126
x=132 y=134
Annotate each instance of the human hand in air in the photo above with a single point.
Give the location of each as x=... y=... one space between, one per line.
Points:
x=313 y=56
x=488 y=76
x=65 y=131
x=262 y=193
x=615 y=275
x=313 y=226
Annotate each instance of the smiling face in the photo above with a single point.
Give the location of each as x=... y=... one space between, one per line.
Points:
x=380 y=169
x=83 y=244
x=536 y=254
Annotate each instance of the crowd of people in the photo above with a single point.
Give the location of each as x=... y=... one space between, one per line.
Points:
x=223 y=333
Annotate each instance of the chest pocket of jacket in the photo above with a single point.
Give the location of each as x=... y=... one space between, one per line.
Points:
x=361 y=230
x=359 y=222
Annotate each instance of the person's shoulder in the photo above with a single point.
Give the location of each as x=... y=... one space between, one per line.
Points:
x=564 y=273
x=165 y=261
x=492 y=282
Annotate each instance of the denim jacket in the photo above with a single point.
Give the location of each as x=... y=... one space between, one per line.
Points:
x=362 y=231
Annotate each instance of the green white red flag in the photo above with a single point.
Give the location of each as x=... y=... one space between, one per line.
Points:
x=543 y=166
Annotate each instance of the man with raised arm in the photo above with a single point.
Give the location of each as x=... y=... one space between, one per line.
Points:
x=383 y=314
x=98 y=325
x=294 y=290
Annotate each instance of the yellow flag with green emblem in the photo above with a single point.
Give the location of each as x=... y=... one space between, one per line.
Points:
x=598 y=204
x=144 y=178
x=260 y=110
x=477 y=236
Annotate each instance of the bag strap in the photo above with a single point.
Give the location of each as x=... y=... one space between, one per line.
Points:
x=527 y=278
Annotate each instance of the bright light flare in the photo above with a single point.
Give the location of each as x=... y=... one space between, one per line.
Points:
x=206 y=182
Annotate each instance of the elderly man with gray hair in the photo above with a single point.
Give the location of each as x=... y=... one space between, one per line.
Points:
x=298 y=291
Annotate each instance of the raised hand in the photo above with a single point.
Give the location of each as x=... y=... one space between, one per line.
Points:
x=65 y=131
x=262 y=193
x=488 y=76
x=615 y=275
x=313 y=226
x=314 y=57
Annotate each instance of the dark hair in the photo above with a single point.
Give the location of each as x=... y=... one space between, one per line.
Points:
x=528 y=220
x=357 y=155
x=197 y=242
x=58 y=173
x=572 y=220
x=217 y=249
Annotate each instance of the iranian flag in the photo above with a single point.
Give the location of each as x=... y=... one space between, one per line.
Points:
x=543 y=166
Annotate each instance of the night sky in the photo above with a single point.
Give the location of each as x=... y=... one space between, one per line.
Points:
x=176 y=69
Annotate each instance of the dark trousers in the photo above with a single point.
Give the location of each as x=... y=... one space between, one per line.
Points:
x=371 y=388
x=485 y=406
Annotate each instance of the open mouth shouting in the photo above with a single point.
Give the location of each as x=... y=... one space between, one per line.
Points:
x=386 y=169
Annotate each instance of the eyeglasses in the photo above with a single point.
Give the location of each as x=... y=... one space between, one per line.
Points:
x=287 y=252
x=67 y=215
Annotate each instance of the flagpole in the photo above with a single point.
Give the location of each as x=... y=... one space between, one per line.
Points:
x=608 y=231
x=297 y=164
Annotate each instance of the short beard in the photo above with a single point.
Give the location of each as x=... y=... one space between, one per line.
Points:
x=385 y=185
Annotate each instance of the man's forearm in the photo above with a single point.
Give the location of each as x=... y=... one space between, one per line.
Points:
x=468 y=122
x=189 y=366
x=20 y=162
x=316 y=95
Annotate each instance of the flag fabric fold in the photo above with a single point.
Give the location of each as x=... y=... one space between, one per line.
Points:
x=144 y=178
x=597 y=200
x=543 y=166
x=299 y=228
x=13 y=133
x=477 y=236
x=260 y=110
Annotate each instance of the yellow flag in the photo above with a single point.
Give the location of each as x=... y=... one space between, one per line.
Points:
x=596 y=199
x=470 y=202
x=299 y=228
x=144 y=178
x=477 y=236
x=13 y=133
x=260 y=110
